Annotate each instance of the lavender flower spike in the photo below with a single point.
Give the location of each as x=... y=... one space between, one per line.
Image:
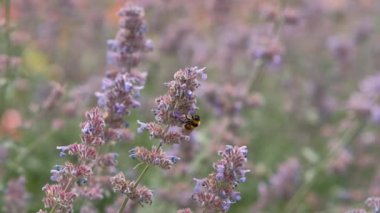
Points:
x=365 y=102
x=122 y=84
x=173 y=107
x=217 y=192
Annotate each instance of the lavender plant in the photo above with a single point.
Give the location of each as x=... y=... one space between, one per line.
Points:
x=16 y=196
x=71 y=177
x=372 y=202
x=170 y=113
x=216 y=192
x=120 y=88
x=281 y=185
x=327 y=47
x=365 y=102
x=121 y=85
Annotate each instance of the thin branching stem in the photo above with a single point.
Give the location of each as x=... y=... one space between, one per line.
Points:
x=7 y=42
x=258 y=68
x=348 y=137
x=7 y=35
x=138 y=180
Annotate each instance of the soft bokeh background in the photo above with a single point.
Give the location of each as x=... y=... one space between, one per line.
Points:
x=309 y=150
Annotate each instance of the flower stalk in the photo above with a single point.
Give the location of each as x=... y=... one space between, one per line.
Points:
x=349 y=136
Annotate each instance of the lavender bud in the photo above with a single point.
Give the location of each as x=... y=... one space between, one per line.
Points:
x=235 y=196
x=111 y=45
x=82 y=181
x=128 y=86
x=174 y=159
x=87 y=129
x=156 y=161
x=142 y=126
x=198 y=185
x=62 y=150
x=119 y=108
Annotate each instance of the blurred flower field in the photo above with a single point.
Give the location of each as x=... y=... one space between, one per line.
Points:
x=189 y=106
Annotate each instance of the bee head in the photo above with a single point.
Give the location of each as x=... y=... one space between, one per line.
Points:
x=196 y=117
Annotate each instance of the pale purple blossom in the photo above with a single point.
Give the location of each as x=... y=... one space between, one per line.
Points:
x=16 y=196
x=366 y=101
x=217 y=191
x=175 y=106
x=77 y=179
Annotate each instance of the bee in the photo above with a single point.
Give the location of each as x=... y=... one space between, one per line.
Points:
x=191 y=122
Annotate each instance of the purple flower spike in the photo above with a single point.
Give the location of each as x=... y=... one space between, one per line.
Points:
x=365 y=102
x=217 y=190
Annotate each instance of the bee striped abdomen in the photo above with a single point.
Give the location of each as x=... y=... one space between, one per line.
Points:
x=195 y=124
x=192 y=122
x=189 y=126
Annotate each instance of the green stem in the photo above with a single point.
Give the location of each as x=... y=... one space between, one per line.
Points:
x=32 y=145
x=256 y=76
x=7 y=35
x=123 y=205
x=138 y=180
x=7 y=43
x=258 y=69
x=280 y=20
x=347 y=138
x=357 y=132
x=205 y=153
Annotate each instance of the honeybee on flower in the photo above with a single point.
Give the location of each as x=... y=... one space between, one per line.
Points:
x=191 y=122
